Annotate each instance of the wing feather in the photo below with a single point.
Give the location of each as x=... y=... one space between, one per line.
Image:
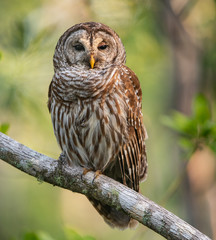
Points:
x=132 y=157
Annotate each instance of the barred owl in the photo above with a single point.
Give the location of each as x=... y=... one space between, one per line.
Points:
x=95 y=106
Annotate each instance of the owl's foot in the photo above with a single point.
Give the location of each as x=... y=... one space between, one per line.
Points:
x=62 y=158
x=85 y=170
x=96 y=175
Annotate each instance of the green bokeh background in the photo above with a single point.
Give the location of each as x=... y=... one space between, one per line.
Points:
x=29 y=31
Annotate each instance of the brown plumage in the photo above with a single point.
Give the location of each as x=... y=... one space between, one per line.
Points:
x=95 y=105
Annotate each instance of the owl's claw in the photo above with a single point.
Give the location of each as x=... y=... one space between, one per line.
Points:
x=85 y=170
x=96 y=175
x=62 y=158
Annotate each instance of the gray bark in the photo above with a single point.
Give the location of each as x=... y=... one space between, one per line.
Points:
x=102 y=188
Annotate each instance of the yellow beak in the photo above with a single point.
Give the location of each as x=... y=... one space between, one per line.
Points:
x=92 y=61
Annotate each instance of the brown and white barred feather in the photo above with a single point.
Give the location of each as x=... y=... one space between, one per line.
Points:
x=97 y=121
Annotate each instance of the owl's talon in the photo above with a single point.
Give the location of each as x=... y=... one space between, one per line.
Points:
x=96 y=175
x=85 y=171
x=62 y=159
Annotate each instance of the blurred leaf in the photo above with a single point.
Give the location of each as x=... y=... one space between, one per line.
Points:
x=37 y=236
x=180 y=123
x=186 y=144
x=31 y=236
x=201 y=109
x=4 y=127
x=196 y=129
x=0 y=55
x=207 y=129
x=44 y=236
x=73 y=235
x=213 y=146
x=70 y=234
x=212 y=142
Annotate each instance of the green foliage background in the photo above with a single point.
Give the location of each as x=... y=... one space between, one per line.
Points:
x=29 y=31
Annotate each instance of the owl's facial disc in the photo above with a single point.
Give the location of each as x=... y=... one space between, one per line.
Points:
x=95 y=50
x=104 y=49
x=75 y=48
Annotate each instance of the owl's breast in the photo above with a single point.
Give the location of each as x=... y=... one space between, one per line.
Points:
x=90 y=125
x=90 y=132
x=101 y=130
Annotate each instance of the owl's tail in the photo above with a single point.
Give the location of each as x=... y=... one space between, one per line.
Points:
x=126 y=172
x=113 y=217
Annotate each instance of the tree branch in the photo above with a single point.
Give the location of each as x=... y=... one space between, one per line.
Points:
x=103 y=188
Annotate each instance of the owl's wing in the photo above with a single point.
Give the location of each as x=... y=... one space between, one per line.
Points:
x=131 y=166
x=132 y=156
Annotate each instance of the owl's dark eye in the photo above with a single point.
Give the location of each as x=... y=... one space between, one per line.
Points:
x=103 y=47
x=79 y=47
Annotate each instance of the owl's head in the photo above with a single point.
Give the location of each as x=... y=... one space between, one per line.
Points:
x=89 y=45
